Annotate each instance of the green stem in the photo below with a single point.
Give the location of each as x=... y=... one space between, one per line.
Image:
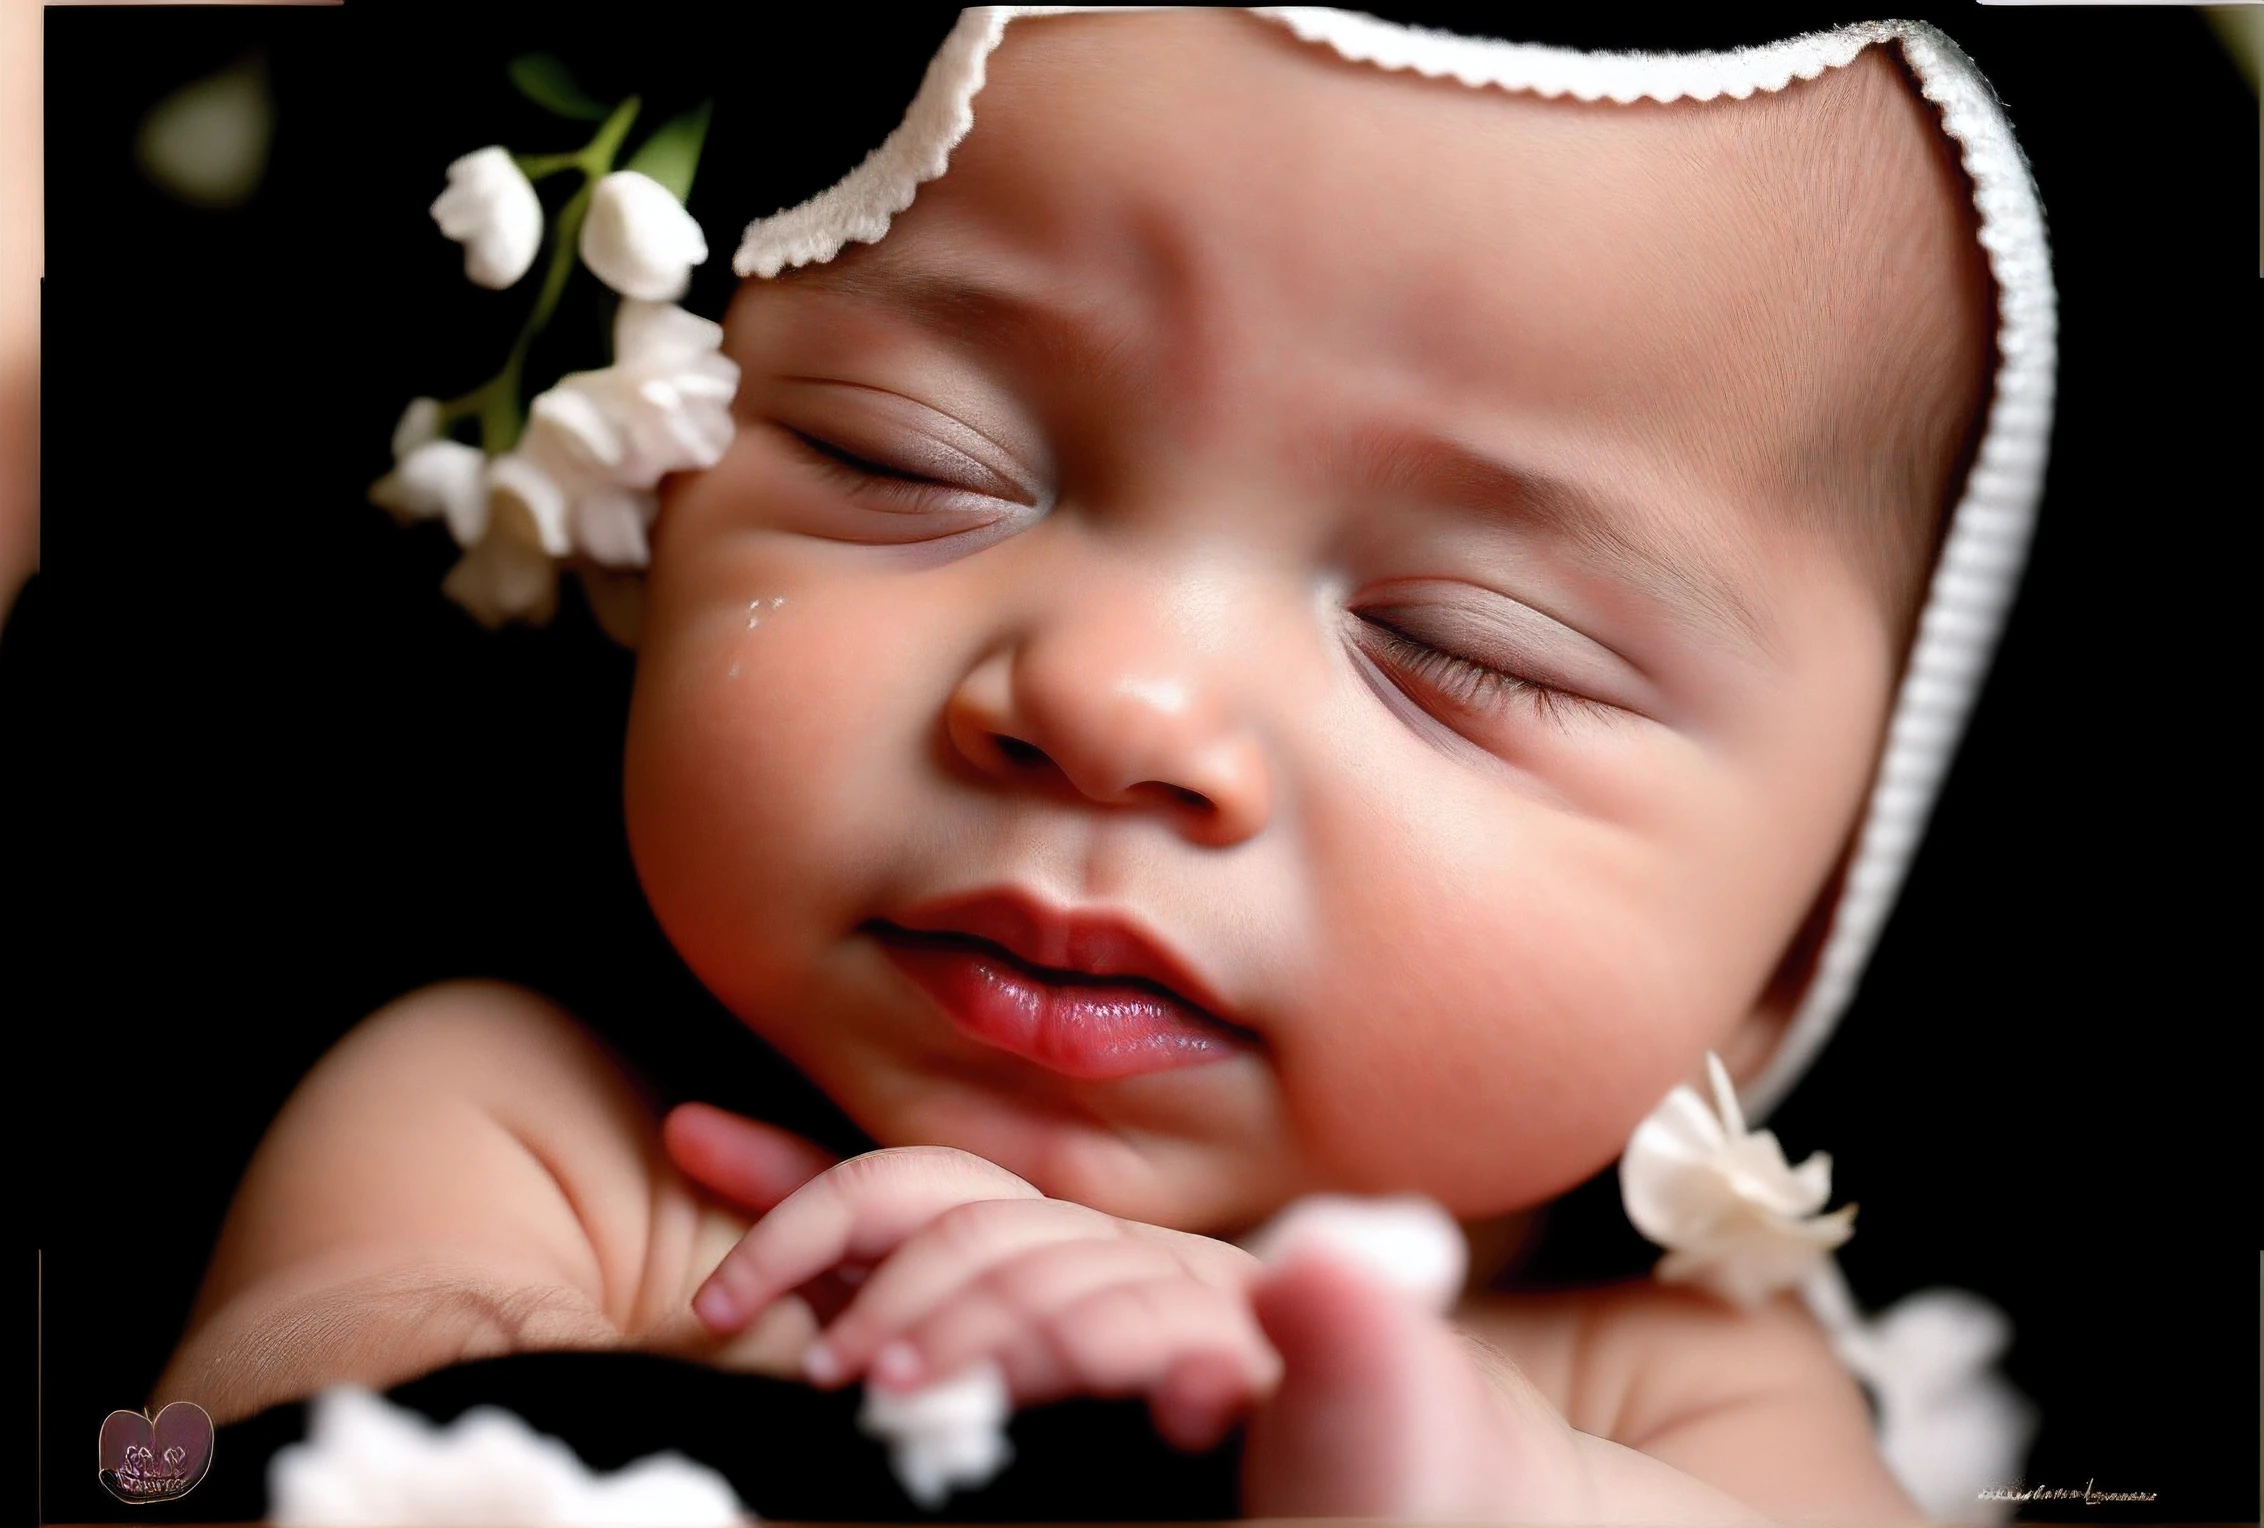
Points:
x=566 y=243
x=597 y=155
x=495 y=402
x=536 y=166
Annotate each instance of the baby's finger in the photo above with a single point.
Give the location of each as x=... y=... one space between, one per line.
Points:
x=752 y=1164
x=1200 y=1400
x=964 y=1244
x=1129 y=1339
x=987 y=1312
x=856 y=1211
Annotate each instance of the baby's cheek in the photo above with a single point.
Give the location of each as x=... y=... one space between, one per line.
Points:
x=1495 y=998
x=754 y=769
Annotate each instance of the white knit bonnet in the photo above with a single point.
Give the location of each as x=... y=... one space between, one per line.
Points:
x=1986 y=541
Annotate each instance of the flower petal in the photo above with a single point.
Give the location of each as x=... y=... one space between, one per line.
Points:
x=1734 y=1217
x=1666 y=1178
x=662 y=333
x=420 y=422
x=609 y=527
x=639 y=240
x=490 y=207
x=531 y=501
x=440 y=477
x=1750 y=1257
x=1725 y=1096
x=577 y=408
x=507 y=576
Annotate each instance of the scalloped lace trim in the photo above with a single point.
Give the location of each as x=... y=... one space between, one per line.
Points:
x=858 y=208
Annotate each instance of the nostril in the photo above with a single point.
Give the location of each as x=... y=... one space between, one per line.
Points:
x=1020 y=754
x=1164 y=793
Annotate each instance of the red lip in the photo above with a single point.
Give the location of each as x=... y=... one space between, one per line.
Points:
x=1086 y=994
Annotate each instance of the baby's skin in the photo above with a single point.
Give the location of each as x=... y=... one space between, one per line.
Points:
x=1290 y=628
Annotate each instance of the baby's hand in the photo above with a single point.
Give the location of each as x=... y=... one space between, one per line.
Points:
x=969 y=1262
x=1361 y=1399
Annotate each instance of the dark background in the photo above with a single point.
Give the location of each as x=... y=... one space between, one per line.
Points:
x=268 y=779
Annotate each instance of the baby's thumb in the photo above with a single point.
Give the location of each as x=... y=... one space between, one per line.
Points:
x=742 y=1160
x=1402 y=1241
x=1380 y=1411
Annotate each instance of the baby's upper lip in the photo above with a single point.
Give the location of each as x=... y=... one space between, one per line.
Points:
x=1094 y=942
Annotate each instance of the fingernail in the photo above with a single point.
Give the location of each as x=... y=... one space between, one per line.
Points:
x=820 y=1365
x=716 y=1307
x=898 y=1366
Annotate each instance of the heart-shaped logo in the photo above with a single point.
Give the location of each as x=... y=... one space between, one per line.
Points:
x=145 y=1461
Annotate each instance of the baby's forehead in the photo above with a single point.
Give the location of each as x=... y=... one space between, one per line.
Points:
x=1201 y=171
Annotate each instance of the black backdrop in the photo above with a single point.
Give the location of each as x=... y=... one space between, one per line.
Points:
x=266 y=779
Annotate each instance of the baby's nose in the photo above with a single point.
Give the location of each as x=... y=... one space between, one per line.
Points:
x=1117 y=709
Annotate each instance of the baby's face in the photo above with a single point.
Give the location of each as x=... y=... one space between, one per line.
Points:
x=1291 y=626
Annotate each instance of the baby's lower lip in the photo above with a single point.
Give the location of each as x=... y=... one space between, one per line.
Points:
x=1081 y=1026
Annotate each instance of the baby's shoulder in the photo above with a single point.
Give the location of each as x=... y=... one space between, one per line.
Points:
x=1629 y=1361
x=468 y=1172
x=1754 y=1402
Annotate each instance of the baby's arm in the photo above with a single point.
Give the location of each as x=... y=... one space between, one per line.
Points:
x=466 y=1174
x=1753 y=1402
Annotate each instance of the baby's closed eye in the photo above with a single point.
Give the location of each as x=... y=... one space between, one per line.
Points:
x=884 y=466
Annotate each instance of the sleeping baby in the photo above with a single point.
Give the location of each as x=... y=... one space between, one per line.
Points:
x=1314 y=614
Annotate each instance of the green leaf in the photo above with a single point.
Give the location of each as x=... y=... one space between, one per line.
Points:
x=544 y=79
x=672 y=153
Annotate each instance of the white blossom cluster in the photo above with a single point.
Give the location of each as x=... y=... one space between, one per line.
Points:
x=1735 y=1218
x=582 y=480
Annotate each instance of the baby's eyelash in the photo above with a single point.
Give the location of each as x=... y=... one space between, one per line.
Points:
x=858 y=470
x=896 y=490
x=1467 y=682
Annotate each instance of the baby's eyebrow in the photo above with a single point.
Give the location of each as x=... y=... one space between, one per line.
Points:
x=1627 y=540
x=974 y=306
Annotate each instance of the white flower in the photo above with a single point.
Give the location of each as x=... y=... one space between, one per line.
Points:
x=663 y=406
x=574 y=503
x=946 y=1436
x=639 y=239
x=538 y=481
x=582 y=481
x=610 y=526
x=1736 y=1220
x=432 y=476
x=508 y=576
x=419 y=422
x=598 y=444
x=1950 y=1427
x=490 y=207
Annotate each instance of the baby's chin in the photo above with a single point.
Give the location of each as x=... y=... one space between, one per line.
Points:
x=1191 y=1150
